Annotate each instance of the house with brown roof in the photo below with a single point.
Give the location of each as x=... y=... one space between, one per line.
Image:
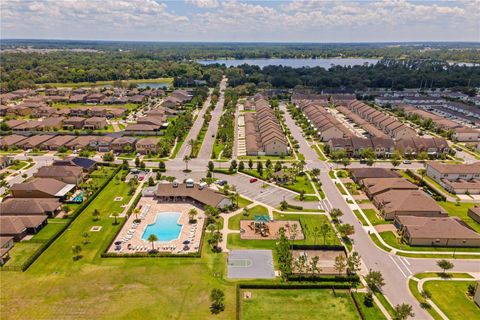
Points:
x=80 y=142
x=18 y=227
x=147 y=145
x=474 y=213
x=407 y=202
x=29 y=207
x=173 y=192
x=11 y=141
x=34 y=141
x=465 y=134
x=50 y=124
x=456 y=178
x=73 y=123
x=359 y=174
x=376 y=186
x=67 y=174
x=95 y=123
x=41 y=188
x=436 y=231
x=56 y=142
x=123 y=144
x=102 y=143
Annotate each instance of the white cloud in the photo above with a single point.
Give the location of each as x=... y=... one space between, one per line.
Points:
x=204 y=3
x=242 y=20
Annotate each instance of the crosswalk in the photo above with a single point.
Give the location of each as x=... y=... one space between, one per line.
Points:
x=402 y=264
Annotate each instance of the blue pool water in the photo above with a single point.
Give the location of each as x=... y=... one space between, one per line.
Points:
x=165 y=227
x=79 y=198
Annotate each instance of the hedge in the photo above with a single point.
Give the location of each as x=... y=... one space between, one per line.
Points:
x=435 y=194
x=318 y=247
x=318 y=278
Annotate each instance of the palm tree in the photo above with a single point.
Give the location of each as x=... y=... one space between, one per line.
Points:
x=85 y=236
x=316 y=234
x=76 y=252
x=186 y=159
x=152 y=238
x=293 y=232
x=192 y=213
x=115 y=215
x=211 y=227
x=136 y=212
x=95 y=214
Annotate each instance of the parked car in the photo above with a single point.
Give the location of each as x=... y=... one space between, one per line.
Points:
x=407 y=162
x=252 y=180
x=221 y=182
x=363 y=161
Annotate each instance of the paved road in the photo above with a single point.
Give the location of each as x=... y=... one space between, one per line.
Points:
x=185 y=149
x=395 y=269
x=207 y=146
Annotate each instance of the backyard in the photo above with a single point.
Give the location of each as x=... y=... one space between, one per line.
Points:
x=289 y=304
x=460 y=211
x=56 y=286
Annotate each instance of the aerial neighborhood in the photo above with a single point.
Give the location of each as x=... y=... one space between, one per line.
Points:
x=172 y=175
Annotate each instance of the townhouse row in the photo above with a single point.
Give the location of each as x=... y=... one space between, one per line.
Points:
x=263 y=132
x=385 y=147
x=71 y=142
x=420 y=220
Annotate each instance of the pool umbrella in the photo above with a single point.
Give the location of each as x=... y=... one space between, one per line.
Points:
x=186 y=242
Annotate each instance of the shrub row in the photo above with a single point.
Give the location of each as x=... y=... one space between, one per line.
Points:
x=341 y=285
x=319 y=278
x=435 y=194
x=318 y=247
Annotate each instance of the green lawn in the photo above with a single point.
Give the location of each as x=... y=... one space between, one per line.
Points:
x=57 y=287
x=301 y=183
x=19 y=254
x=243 y=202
x=258 y=210
x=18 y=166
x=440 y=275
x=369 y=313
x=360 y=217
x=384 y=302
x=321 y=156
x=309 y=222
x=290 y=304
x=341 y=189
x=451 y=298
x=378 y=243
x=461 y=212
x=390 y=238
x=49 y=231
x=373 y=217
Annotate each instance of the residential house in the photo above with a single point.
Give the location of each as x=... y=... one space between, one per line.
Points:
x=147 y=146
x=73 y=123
x=436 y=231
x=456 y=178
x=56 y=142
x=17 y=227
x=407 y=202
x=67 y=174
x=42 y=188
x=95 y=123
x=172 y=192
x=29 y=207
x=123 y=144
x=11 y=141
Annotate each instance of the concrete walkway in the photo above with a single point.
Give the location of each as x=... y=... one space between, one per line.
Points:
x=421 y=282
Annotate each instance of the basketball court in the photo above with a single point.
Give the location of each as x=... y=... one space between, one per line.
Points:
x=250 y=264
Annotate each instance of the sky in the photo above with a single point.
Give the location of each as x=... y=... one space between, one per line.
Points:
x=241 y=20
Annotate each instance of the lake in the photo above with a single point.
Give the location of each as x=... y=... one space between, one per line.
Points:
x=153 y=85
x=294 y=63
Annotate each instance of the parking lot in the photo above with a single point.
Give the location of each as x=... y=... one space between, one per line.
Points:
x=270 y=194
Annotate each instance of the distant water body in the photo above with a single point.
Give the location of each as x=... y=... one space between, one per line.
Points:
x=294 y=63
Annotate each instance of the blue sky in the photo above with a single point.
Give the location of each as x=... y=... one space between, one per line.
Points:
x=241 y=20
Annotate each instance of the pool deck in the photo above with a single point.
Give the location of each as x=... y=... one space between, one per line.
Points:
x=131 y=234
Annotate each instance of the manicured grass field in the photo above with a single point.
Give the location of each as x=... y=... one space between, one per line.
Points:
x=373 y=217
x=242 y=202
x=461 y=212
x=369 y=313
x=17 y=166
x=440 y=275
x=451 y=297
x=19 y=254
x=234 y=222
x=390 y=238
x=57 y=287
x=301 y=183
x=49 y=231
x=360 y=217
x=282 y=304
x=341 y=189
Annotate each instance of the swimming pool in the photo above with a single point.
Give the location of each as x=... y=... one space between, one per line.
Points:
x=165 y=227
